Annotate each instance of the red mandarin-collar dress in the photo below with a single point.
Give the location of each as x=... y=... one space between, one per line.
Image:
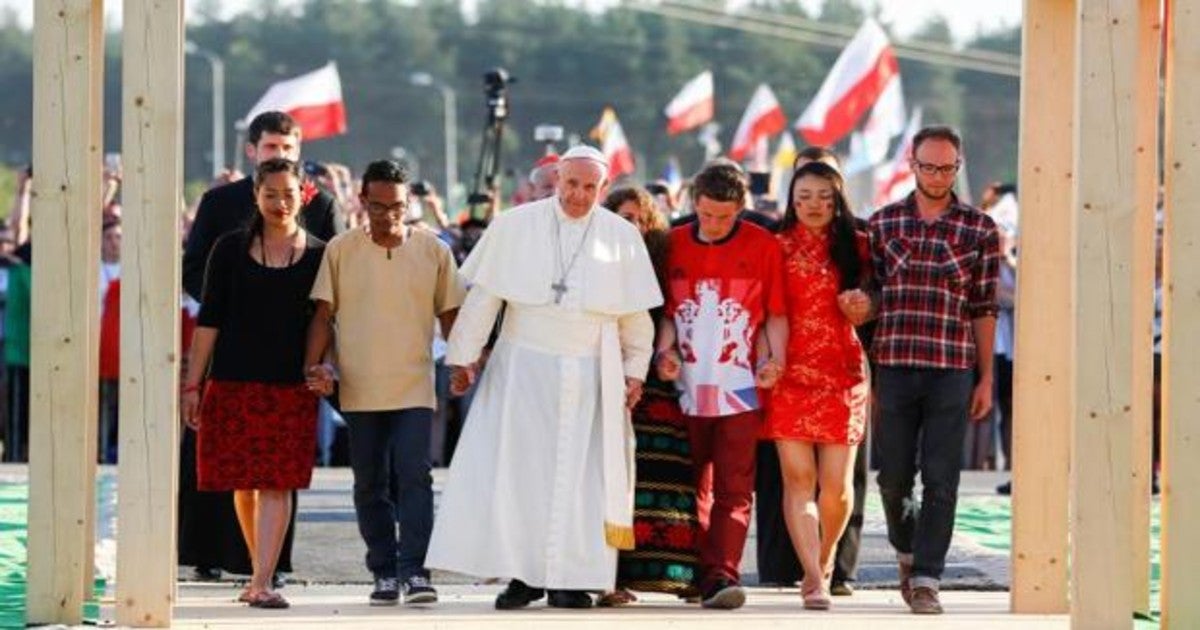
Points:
x=822 y=395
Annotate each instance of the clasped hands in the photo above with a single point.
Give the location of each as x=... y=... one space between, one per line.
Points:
x=855 y=304
x=319 y=379
x=668 y=363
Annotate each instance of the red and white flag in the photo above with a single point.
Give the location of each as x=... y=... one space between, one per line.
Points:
x=613 y=145
x=894 y=180
x=859 y=76
x=764 y=117
x=313 y=99
x=693 y=106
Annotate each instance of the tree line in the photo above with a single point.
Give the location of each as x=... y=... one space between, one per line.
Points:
x=569 y=63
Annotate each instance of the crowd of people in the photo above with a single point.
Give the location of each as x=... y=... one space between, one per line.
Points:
x=614 y=374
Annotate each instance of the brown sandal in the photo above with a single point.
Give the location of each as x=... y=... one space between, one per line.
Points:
x=613 y=599
x=268 y=599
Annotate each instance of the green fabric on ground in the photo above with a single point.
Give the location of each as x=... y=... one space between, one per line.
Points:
x=988 y=522
x=14 y=499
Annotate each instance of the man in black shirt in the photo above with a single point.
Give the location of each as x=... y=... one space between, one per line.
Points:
x=229 y=207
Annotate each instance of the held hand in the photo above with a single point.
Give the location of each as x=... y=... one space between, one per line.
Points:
x=768 y=374
x=462 y=377
x=668 y=364
x=981 y=400
x=319 y=379
x=633 y=392
x=189 y=409
x=855 y=304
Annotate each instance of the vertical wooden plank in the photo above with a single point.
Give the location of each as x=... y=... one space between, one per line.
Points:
x=1146 y=102
x=1045 y=321
x=152 y=139
x=67 y=146
x=1181 y=335
x=1105 y=196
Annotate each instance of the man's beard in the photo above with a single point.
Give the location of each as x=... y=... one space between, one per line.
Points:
x=925 y=191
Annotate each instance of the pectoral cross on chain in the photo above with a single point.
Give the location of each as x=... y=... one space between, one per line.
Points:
x=559 y=289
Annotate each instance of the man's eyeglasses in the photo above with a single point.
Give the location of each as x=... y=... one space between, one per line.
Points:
x=379 y=208
x=928 y=168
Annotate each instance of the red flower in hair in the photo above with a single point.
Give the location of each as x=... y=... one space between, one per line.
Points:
x=308 y=190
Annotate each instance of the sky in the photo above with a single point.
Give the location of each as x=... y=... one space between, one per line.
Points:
x=965 y=18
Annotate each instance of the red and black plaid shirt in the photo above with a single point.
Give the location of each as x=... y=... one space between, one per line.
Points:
x=936 y=278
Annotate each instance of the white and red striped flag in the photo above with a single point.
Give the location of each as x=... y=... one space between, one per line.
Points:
x=613 y=145
x=859 y=76
x=764 y=117
x=313 y=99
x=693 y=106
x=894 y=180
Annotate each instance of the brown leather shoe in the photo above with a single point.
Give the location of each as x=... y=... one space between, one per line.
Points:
x=905 y=576
x=925 y=601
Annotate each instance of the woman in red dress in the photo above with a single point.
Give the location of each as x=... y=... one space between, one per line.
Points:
x=817 y=410
x=256 y=420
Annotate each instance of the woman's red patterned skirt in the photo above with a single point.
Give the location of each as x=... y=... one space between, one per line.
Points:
x=256 y=436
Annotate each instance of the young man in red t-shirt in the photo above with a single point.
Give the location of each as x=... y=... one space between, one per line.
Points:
x=725 y=295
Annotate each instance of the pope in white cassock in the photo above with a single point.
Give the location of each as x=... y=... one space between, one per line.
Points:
x=541 y=486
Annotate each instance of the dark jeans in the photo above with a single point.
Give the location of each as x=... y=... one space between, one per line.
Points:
x=925 y=411
x=389 y=452
x=16 y=434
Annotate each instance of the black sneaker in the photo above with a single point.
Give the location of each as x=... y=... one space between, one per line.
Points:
x=386 y=593
x=206 y=574
x=279 y=580
x=417 y=590
x=724 y=595
x=1004 y=489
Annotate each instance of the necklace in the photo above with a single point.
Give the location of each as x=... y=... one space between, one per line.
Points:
x=262 y=249
x=560 y=287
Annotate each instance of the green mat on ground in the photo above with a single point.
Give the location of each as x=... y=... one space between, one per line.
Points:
x=988 y=522
x=13 y=536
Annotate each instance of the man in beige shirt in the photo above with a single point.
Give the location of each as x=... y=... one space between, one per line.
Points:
x=378 y=292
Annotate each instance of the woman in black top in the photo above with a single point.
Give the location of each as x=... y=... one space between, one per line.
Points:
x=256 y=421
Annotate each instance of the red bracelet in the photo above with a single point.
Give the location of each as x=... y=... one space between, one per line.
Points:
x=187 y=389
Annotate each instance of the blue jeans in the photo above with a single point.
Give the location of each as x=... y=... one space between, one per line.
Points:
x=389 y=452
x=922 y=423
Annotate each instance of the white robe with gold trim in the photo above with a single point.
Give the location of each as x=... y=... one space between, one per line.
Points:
x=544 y=467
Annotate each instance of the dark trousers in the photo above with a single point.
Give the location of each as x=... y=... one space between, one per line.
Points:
x=1004 y=405
x=777 y=562
x=16 y=433
x=389 y=452
x=723 y=460
x=107 y=439
x=921 y=410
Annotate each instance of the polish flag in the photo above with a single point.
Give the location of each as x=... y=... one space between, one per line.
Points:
x=859 y=76
x=693 y=106
x=894 y=180
x=613 y=144
x=764 y=117
x=313 y=99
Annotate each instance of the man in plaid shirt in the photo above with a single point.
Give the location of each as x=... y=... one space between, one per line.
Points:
x=937 y=262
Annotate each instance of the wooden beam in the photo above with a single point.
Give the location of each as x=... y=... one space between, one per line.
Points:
x=1105 y=197
x=1181 y=335
x=67 y=146
x=1045 y=321
x=152 y=142
x=1146 y=102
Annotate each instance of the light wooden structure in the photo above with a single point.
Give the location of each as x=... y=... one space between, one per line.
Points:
x=1090 y=110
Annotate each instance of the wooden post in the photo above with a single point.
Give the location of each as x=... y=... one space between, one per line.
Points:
x=67 y=147
x=1045 y=320
x=1144 y=252
x=152 y=104
x=1181 y=335
x=1105 y=197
